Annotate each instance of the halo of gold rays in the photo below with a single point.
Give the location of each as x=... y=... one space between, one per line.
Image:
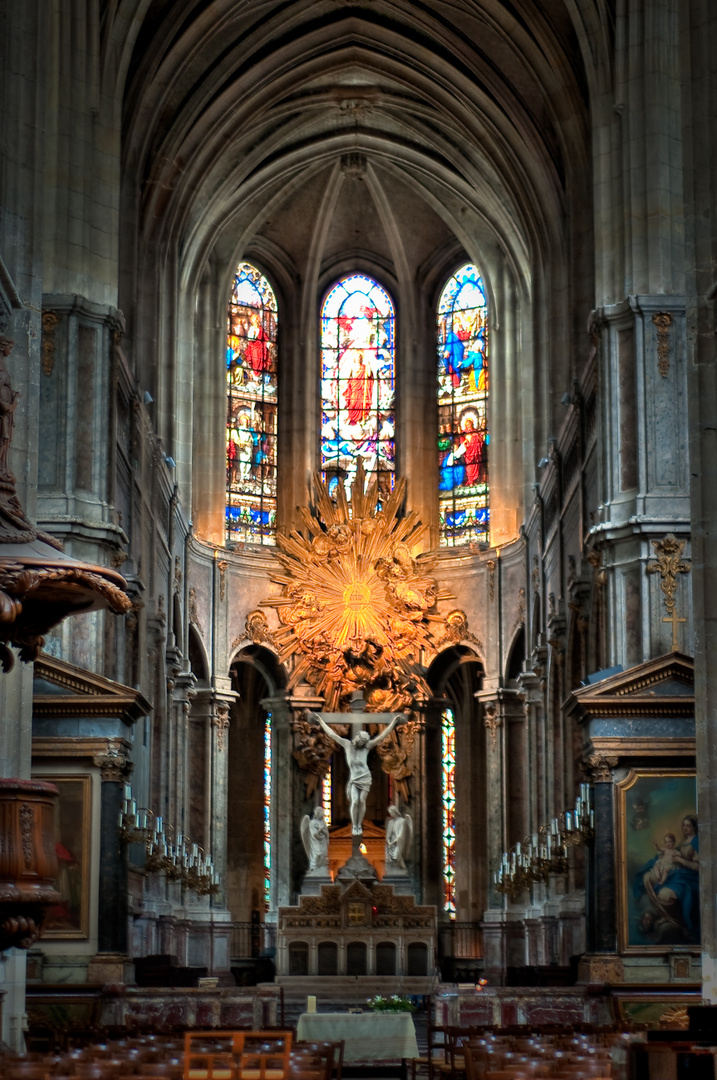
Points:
x=355 y=612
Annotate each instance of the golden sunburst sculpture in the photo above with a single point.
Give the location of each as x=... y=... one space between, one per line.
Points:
x=355 y=611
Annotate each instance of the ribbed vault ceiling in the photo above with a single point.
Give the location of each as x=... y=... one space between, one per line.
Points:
x=315 y=128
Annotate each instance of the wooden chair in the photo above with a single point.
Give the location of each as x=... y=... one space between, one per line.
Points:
x=337 y=1054
x=262 y=1055
x=211 y=1057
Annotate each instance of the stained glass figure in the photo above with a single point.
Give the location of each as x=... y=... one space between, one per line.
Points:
x=357 y=383
x=462 y=409
x=448 y=757
x=251 y=408
x=267 y=812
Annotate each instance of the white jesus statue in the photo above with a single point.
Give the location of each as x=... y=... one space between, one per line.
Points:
x=357 y=751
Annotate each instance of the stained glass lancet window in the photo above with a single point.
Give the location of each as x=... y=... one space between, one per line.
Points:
x=448 y=757
x=251 y=408
x=462 y=404
x=267 y=811
x=357 y=383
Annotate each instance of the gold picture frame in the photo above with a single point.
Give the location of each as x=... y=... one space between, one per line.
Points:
x=70 y=919
x=658 y=861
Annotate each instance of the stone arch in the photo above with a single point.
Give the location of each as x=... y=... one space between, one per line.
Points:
x=516 y=657
x=256 y=678
x=455 y=677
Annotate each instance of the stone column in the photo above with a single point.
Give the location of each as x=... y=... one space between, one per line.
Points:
x=218 y=785
x=601 y=962
x=283 y=820
x=111 y=964
x=698 y=33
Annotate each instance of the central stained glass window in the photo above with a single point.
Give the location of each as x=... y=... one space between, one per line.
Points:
x=462 y=409
x=357 y=383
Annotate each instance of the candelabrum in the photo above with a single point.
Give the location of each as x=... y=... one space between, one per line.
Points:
x=178 y=857
x=544 y=853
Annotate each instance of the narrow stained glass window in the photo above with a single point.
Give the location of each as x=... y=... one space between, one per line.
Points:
x=357 y=383
x=448 y=757
x=462 y=409
x=251 y=408
x=267 y=811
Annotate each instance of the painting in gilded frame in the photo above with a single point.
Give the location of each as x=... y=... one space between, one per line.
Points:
x=71 y=917
x=658 y=852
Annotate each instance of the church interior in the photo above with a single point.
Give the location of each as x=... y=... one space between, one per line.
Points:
x=357 y=375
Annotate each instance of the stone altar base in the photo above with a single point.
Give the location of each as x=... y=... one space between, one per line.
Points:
x=357 y=927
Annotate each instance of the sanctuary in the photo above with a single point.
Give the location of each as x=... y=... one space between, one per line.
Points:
x=358 y=527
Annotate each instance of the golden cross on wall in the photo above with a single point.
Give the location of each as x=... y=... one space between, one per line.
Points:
x=668 y=564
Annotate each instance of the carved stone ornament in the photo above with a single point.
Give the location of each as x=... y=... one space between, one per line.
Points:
x=663 y=322
x=39 y=586
x=221 y=722
x=668 y=564
x=50 y=320
x=492 y=721
x=357 y=611
x=594 y=557
x=222 y=567
x=491 y=565
x=256 y=629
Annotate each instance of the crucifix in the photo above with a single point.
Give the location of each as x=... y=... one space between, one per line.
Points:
x=357 y=750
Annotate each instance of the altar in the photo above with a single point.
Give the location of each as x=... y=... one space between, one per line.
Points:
x=368 y=1037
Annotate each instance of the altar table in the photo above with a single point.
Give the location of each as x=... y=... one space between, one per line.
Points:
x=368 y=1036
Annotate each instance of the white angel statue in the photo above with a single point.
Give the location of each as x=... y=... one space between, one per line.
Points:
x=399 y=833
x=315 y=837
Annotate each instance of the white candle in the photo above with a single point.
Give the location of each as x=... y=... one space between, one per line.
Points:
x=311 y=1003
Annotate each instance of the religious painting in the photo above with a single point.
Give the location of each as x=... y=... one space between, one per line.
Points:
x=658 y=843
x=357 y=384
x=70 y=917
x=463 y=436
x=251 y=408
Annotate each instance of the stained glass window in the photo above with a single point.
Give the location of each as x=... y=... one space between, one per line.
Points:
x=462 y=403
x=251 y=408
x=357 y=383
x=267 y=811
x=448 y=757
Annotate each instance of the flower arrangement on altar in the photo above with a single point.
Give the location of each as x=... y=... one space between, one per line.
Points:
x=393 y=1004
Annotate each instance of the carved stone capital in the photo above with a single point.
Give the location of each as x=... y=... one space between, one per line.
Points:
x=114 y=767
x=598 y=767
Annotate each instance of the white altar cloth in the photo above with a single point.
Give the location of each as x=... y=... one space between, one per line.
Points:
x=368 y=1036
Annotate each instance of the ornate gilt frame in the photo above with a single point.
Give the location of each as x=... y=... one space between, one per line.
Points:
x=623 y=787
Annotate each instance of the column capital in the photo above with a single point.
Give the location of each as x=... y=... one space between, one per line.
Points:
x=599 y=767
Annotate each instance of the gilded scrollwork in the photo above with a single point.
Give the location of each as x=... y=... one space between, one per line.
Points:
x=357 y=609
